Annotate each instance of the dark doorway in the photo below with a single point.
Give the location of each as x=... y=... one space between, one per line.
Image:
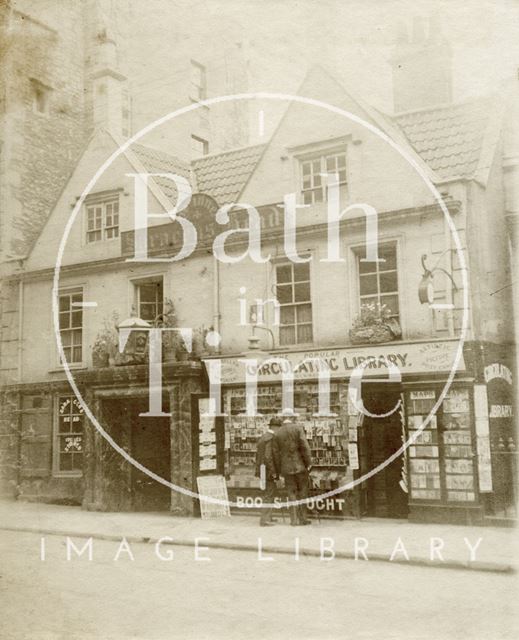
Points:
x=382 y=437
x=148 y=442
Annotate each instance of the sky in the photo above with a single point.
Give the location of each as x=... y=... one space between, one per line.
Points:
x=354 y=40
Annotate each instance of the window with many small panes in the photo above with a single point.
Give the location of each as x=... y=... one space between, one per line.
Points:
x=68 y=440
x=378 y=281
x=71 y=325
x=102 y=220
x=313 y=178
x=293 y=295
x=150 y=299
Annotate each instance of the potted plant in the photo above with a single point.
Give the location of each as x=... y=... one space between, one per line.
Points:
x=105 y=344
x=170 y=339
x=374 y=324
x=198 y=346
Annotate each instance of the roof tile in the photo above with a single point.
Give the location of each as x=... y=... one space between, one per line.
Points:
x=449 y=138
x=156 y=161
x=224 y=175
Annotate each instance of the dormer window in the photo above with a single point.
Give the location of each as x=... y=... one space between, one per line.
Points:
x=102 y=219
x=313 y=179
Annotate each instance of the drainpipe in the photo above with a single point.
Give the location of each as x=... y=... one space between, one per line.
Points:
x=447 y=247
x=19 y=402
x=216 y=298
x=511 y=185
x=20 y=330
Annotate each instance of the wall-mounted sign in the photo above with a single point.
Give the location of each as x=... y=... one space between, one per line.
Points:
x=497 y=370
x=501 y=411
x=411 y=358
x=168 y=238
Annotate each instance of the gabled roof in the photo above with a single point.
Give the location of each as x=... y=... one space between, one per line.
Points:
x=379 y=119
x=156 y=161
x=450 y=138
x=453 y=141
x=220 y=175
x=224 y=175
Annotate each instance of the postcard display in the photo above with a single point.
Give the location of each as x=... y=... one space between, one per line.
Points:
x=206 y=438
x=441 y=466
x=327 y=436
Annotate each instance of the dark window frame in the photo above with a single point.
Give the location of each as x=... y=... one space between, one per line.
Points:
x=158 y=302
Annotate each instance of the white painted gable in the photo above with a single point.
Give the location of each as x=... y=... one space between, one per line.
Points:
x=45 y=251
x=376 y=172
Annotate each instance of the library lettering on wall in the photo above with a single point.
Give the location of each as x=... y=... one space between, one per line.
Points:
x=444 y=475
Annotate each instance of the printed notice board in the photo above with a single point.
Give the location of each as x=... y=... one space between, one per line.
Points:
x=213 y=487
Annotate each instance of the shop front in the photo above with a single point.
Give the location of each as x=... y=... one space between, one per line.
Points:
x=436 y=478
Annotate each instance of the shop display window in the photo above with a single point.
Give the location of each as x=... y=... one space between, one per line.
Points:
x=457 y=446
x=441 y=464
x=327 y=436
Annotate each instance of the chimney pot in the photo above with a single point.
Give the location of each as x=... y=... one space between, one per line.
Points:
x=422 y=69
x=418 y=30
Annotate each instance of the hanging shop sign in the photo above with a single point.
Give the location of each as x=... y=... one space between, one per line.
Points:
x=410 y=358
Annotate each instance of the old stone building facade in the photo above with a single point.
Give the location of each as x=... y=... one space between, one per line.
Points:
x=435 y=282
x=68 y=70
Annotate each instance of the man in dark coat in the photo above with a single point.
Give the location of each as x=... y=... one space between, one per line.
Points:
x=292 y=459
x=265 y=459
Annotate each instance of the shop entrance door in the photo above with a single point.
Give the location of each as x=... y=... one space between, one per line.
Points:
x=150 y=444
x=382 y=437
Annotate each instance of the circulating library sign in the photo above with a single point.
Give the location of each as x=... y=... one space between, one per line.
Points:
x=411 y=358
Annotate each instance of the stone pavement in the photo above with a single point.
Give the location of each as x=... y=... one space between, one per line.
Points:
x=374 y=539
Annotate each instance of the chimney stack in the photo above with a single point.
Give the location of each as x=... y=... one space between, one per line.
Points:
x=109 y=85
x=421 y=66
